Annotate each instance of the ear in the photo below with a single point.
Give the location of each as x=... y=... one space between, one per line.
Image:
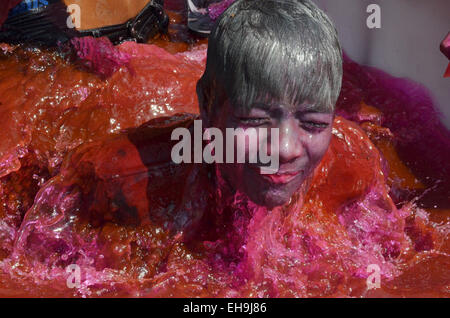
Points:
x=204 y=104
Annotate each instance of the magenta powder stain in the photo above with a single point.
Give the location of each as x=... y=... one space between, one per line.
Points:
x=99 y=56
x=216 y=9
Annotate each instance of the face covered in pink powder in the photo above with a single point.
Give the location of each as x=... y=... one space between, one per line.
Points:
x=282 y=71
x=304 y=134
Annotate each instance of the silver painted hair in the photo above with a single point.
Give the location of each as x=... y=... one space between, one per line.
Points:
x=265 y=50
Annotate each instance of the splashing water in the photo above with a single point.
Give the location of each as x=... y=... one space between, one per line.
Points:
x=81 y=185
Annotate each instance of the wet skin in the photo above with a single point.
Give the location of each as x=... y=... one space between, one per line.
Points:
x=100 y=13
x=304 y=137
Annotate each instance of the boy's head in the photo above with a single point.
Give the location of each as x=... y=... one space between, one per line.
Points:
x=273 y=64
x=272 y=49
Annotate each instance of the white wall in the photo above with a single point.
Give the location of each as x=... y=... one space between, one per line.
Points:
x=406 y=45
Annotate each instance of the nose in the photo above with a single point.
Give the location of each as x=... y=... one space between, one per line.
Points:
x=290 y=145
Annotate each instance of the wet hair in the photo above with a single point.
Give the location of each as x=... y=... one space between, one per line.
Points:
x=266 y=50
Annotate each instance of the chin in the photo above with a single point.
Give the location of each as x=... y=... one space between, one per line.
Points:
x=271 y=199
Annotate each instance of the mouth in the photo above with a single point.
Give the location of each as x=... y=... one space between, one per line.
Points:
x=281 y=177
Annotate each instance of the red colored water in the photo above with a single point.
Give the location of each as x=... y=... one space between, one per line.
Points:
x=80 y=184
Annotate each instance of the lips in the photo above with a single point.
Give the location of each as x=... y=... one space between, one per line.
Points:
x=281 y=177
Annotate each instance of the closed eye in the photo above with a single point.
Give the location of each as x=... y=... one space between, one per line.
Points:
x=314 y=126
x=254 y=121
